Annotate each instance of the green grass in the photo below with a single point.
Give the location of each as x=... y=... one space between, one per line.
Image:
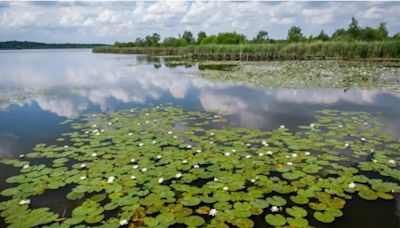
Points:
x=282 y=51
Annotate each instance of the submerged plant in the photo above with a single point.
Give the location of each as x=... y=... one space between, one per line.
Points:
x=147 y=174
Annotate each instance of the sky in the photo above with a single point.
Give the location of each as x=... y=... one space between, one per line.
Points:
x=107 y=22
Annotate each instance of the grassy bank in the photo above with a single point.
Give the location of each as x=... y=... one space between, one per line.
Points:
x=280 y=51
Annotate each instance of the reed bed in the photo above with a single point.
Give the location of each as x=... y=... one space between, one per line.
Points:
x=272 y=51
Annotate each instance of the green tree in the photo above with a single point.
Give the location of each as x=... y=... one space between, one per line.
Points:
x=208 y=40
x=295 y=34
x=229 y=38
x=188 y=36
x=322 y=36
x=354 y=29
x=262 y=36
x=174 y=42
x=382 y=31
x=200 y=36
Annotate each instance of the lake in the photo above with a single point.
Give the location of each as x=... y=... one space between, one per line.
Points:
x=41 y=88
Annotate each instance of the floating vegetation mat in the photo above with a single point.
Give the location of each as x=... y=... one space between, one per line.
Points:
x=317 y=74
x=162 y=166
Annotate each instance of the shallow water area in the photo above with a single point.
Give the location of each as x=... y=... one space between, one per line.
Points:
x=41 y=88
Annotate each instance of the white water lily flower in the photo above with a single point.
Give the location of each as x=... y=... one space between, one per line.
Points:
x=135 y=166
x=307 y=153
x=86 y=132
x=184 y=161
x=233 y=151
x=139 y=124
x=189 y=146
x=374 y=160
x=154 y=142
x=312 y=125
x=270 y=153
x=352 y=185
x=252 y=180
x=22 y=155
x=102 y=130
x=346 y=145
x=216 y=179
x=225 y=188
x=132 y=110
x=248 y=156
x=109 y=123
x=95 y=130
x=175 y=137
x=94 y=125
x=94 y=155
x=289 y=163
x=363 y=139
x=212 y=134
x=213 y=212
x=340 y=125
x=178 y=175
x=391 y=161
x=130 y=133
x=196 y=166
x=248 y=145
x=66 y=146
x=147 y=121
x=169 y=132
x=133 y=177
x=365 y=123
x=282 y=126
x=294 y=155
x=111 y=179
x=82 y=178
x=23 y=202
x=123 y=222
x=159 y=156
x=261 y=154
x=82 y=165
x=287 y=156
x=227 y=154
x=265 y=143
x=98 y=133
x=211 y=142
x=144 y=169
x=147 y=114
x=93 y=115
x=25 y=166
x=160 y=180
x=198 y=151
x=274 y=209
x=133 y=160
x=141 y=144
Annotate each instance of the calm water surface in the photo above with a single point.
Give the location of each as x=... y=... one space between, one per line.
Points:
x=49 y=86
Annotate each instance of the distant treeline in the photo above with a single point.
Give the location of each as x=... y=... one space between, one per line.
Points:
x=272 y=51
x=354 y=42
x=9 y=45
x=353 y=33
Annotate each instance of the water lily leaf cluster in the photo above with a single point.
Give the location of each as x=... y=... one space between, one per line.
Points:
x=162 y=166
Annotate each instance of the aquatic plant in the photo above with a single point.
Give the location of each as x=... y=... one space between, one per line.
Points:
x=310 y=74
x=143 y=171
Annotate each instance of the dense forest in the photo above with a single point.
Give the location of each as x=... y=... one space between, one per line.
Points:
x=34 y=45
x=353 y=33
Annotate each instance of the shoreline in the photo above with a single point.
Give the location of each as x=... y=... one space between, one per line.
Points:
x=371 y=51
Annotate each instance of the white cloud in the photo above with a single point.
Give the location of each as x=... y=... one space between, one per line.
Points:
x=124 y=21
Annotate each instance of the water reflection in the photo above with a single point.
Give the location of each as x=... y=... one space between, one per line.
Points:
x=70 y=82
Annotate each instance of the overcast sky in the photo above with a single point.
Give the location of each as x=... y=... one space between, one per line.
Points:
x=107 y=22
